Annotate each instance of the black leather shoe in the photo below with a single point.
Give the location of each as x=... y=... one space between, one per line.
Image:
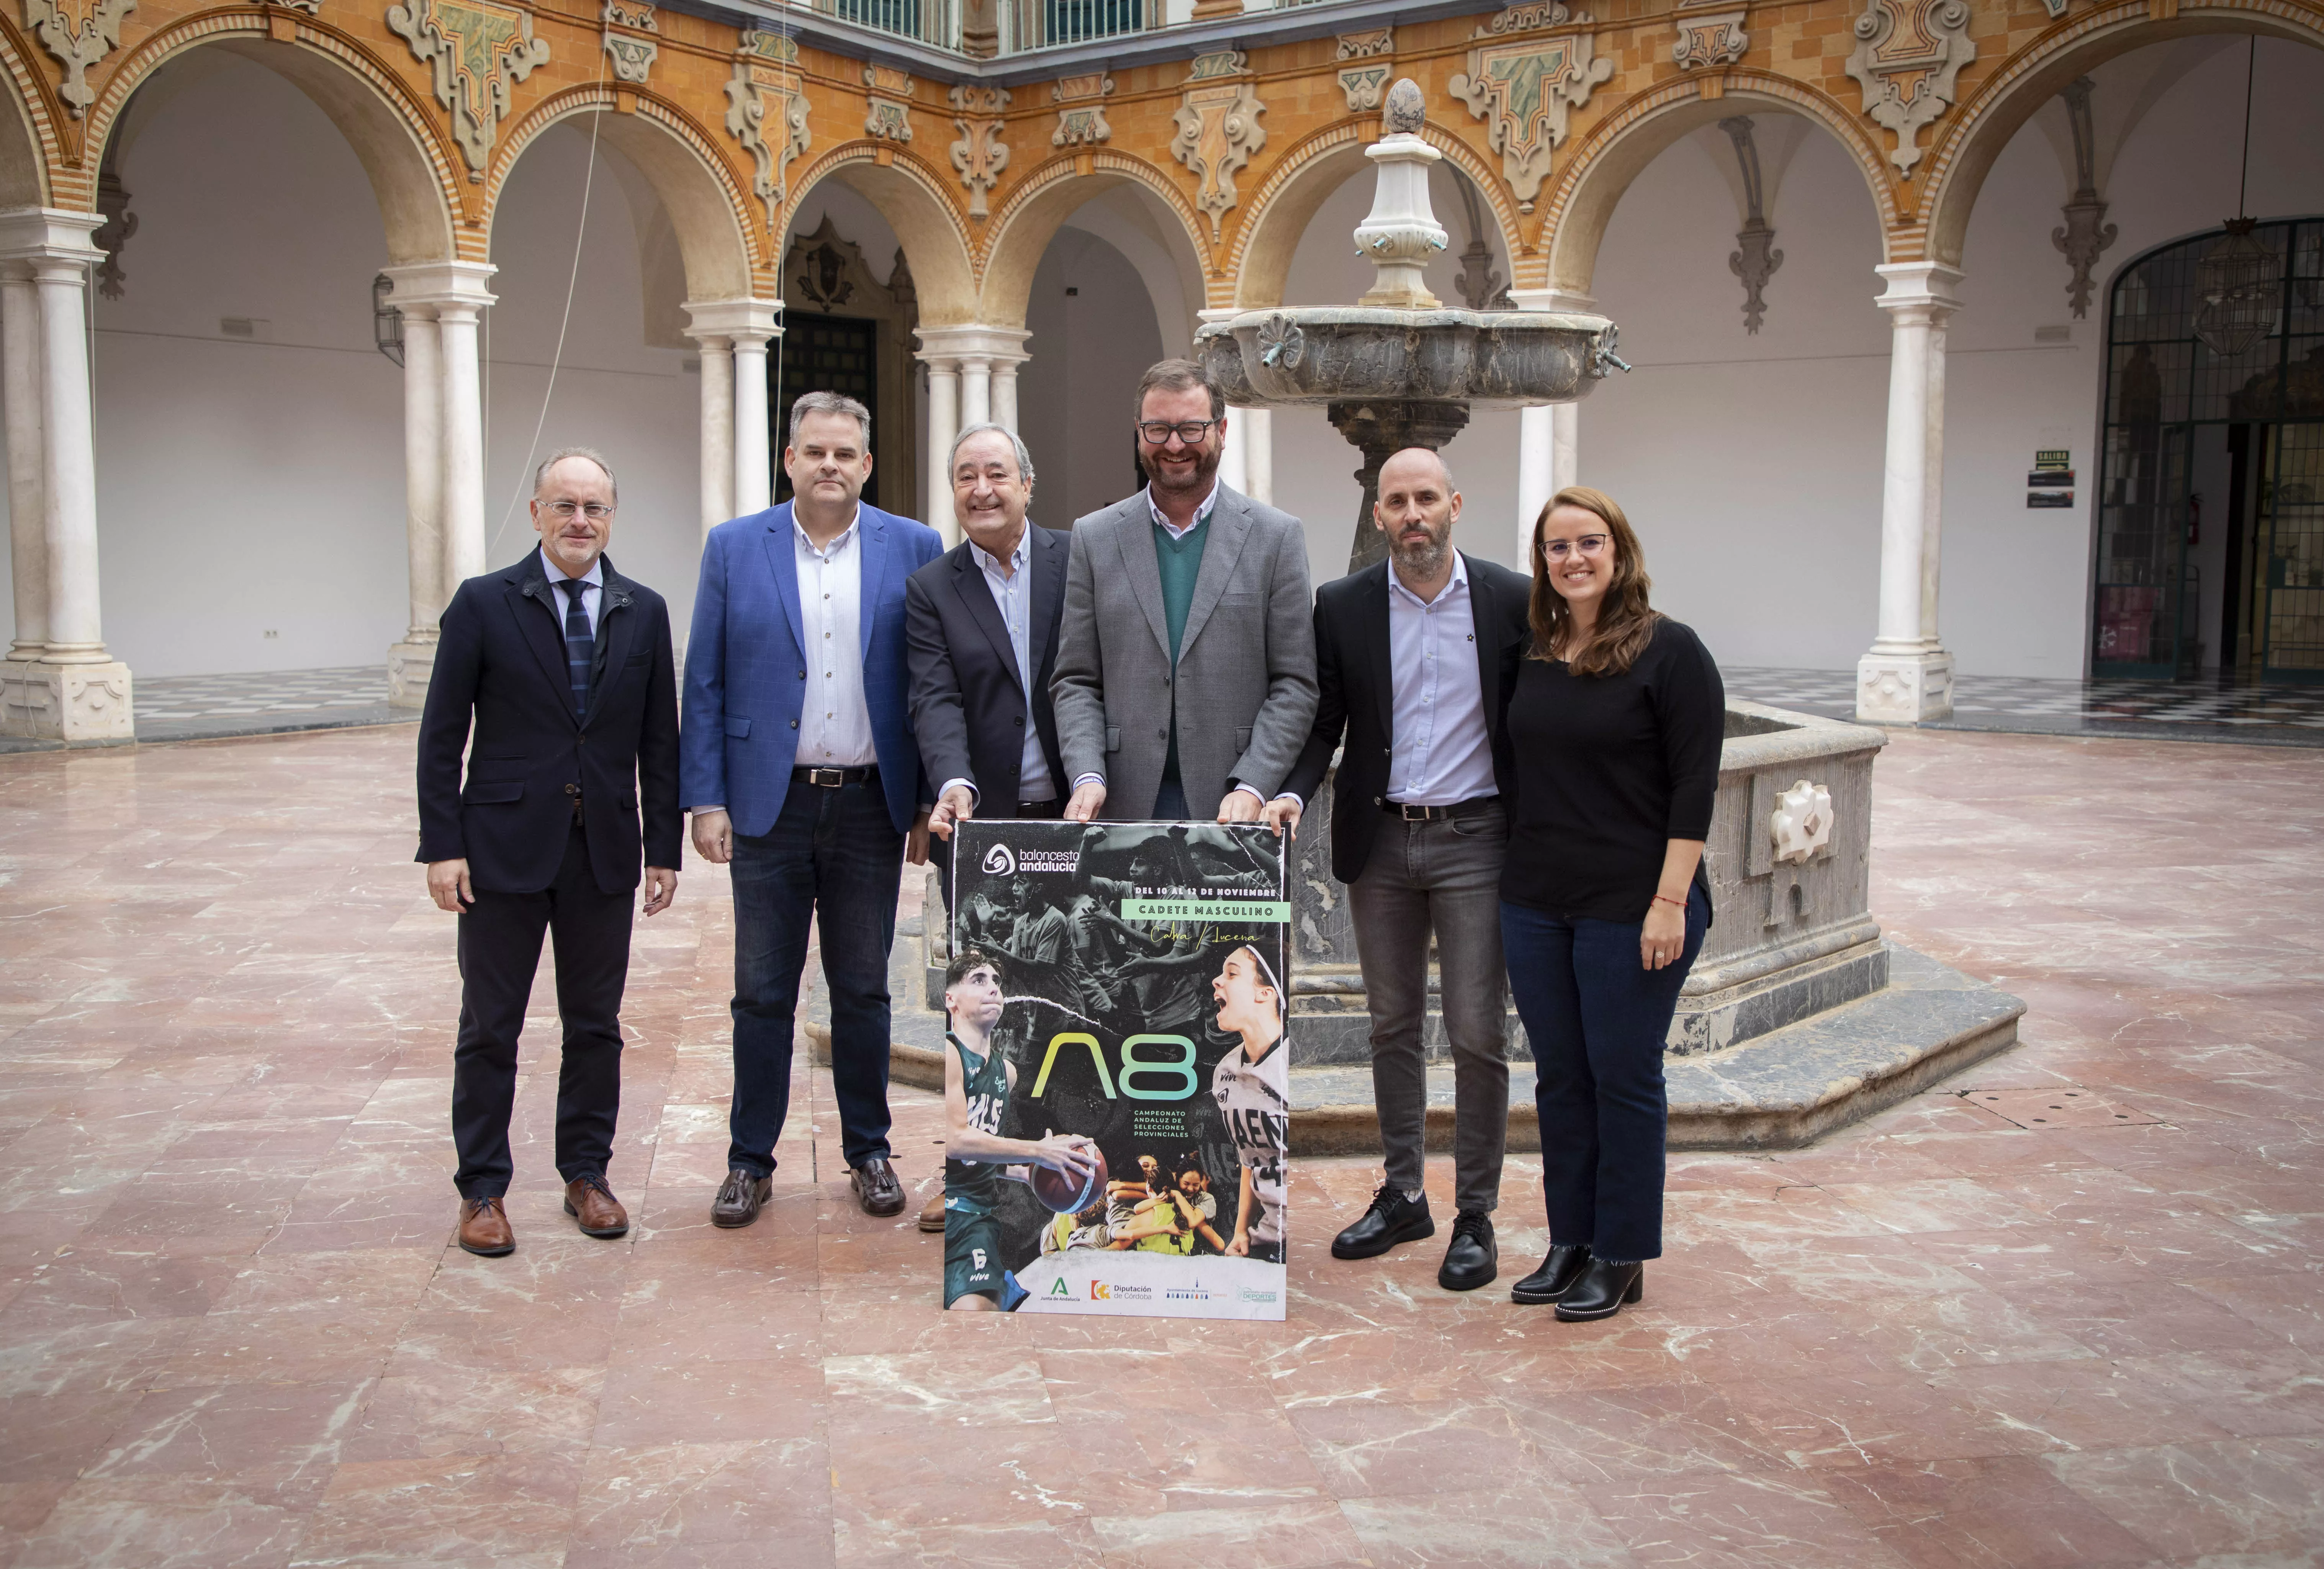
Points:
x=1603 y=1291
x=1556 y=1276
x=876 y=1187
x=740 y=1196
x=1470 y=1260
x=1392 y=1219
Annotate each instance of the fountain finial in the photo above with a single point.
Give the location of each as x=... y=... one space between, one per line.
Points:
x=1406 y=110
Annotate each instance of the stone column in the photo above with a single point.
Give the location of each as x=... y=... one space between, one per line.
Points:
x=20 y=410
x=738 y=446
x=975 y=392
x=1234 y=454
x=1258 y=454
x=944 y=425
x=1004 y=391
x=1907 y=676
x=411 y=662
x=971 y=379
x=1549 y=434
x=464 y=445
x=74 y=691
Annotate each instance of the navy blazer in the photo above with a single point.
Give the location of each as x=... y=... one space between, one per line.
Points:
x=968 y=702
x=500 y=664
x=746 y=676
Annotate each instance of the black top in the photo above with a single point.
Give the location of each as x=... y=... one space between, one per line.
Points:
x=1610 y=769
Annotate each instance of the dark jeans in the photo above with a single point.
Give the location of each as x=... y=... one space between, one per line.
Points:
x=500 y=953
x=1444 y=878
x=1596 y=1018
x=834 y=860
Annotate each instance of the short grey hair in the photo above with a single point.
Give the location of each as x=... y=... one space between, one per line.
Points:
x=827 y=403
x=1024 y=458
x=588 y=455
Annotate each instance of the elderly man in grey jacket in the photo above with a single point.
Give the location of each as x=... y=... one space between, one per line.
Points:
x=1185 y=684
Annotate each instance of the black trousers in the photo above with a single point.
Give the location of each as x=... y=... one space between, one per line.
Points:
x=500 y=952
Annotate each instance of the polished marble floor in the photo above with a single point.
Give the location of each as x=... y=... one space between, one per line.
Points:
x=2282 y=714
x=1998 y=1325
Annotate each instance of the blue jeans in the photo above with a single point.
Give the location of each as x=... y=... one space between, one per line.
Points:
x=1597 y=1018
x=833 y=859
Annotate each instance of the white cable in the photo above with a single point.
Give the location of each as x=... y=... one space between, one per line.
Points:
x=572 y=283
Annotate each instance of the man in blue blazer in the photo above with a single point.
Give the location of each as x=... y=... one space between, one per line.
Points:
x=798 y=763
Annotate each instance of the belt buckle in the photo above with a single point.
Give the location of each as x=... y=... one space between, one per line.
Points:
x=1413 y=814
x=830 y=779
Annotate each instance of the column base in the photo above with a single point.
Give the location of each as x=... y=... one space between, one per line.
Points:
x=79 y=704
x=408 y=667
x=1904 y=689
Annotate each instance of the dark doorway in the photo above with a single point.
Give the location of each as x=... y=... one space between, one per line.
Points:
x=825 y=354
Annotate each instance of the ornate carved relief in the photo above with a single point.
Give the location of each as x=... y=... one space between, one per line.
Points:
x=1372 y=45
x=1480 y=286
x=889 y=118
x=766 y=79
x=1801 y=824
x=1218 y=131
x=1755 y=259
x=1224 y=62
x=1708 y=38
x=1907 y=53
x=1530 y=17
x=477 y=50
x=1081 y=118
x=120 y=224
x=980 y=154
x=1364 y=85
x=633 y=57
x=2087 y=233
x=1526 y=90
x=80 y=33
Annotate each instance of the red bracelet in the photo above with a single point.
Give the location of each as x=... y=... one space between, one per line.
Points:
x=1665 y=899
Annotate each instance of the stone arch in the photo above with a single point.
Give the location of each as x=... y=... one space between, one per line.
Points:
x=392 y=135
x=1029 y=219
x=1964 y=154
x=912 y=198
x=27 y=137
x=707 y=207
x=1618 y=148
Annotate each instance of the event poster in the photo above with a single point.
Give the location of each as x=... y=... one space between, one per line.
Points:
x=1135 y=1006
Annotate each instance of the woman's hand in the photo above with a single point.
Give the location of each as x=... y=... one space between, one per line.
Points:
x=1663 y=939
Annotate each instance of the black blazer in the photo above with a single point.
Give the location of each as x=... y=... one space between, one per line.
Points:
x=968 y=706
x=1355 y=694
x=500 y=658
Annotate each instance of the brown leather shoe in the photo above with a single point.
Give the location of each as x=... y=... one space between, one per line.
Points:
x=485 y=1228
x=589 y=1201
x=932 y=1214
x=739 y=1197
x=876 y=1187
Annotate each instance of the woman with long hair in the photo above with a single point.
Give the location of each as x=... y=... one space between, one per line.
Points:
x=1616 y=718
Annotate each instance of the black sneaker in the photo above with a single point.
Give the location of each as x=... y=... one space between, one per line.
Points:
x=1470 y=1260
x=1392 y=1219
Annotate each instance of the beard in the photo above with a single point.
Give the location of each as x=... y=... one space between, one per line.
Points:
x=1206 y=467
x=1424 y=559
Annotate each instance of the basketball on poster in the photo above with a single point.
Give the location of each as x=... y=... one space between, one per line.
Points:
x=1117 y=1069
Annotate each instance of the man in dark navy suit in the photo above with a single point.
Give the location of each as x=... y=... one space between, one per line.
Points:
x=801 y=771
x=562 y=667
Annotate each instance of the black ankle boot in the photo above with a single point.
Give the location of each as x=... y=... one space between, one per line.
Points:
x=1556 y=1276
x=1603 y=1291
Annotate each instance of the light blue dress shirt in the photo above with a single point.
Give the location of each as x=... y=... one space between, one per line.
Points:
x=1442 y=751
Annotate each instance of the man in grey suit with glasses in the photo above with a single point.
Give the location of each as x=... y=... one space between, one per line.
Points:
x=1184 y=683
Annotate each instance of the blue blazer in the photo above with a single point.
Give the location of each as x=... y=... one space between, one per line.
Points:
x=746 y=677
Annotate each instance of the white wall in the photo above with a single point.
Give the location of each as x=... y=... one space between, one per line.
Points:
x=1074 y=395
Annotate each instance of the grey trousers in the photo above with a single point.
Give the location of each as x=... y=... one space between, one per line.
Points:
x=1445 y=877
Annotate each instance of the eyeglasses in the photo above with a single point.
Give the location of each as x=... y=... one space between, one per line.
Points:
x=1590 y=544
x=1158 y=431
x=596 y=511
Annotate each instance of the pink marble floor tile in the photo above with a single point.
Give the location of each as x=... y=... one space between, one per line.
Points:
x=179 y=1519
x=2007 y=1512
x=2208 y=1500
x=1771 y=1518
x=476 y=1509
x=236 y=1427
x=424 y=1410
x=743 y=1503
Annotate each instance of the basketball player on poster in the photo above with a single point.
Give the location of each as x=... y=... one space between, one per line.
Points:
x=1253 y=1085
x=977 y=1082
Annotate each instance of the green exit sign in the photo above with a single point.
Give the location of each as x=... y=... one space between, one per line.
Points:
x=2053 y=458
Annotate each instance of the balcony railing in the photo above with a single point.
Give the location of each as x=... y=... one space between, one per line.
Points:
x=1023 y=25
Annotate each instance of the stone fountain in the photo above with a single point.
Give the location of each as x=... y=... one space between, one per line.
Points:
x=1399 y=369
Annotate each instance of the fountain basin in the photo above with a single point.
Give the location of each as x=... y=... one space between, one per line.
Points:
x=1341 y=354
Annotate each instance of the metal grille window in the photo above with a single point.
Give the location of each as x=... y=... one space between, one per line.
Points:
x=828 y=353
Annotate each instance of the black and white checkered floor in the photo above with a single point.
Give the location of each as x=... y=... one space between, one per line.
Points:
x=263 y=692
x=2192 y=710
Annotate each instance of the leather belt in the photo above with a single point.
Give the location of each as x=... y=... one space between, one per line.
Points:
x=1052 y=807
x=1412 y=813
x=831 y=778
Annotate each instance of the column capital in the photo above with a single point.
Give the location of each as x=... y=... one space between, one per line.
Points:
x=1559 y=300
x=995 y=345
x=744 y=321
x=442 y=284
x=1923 y=290
x=49 y=233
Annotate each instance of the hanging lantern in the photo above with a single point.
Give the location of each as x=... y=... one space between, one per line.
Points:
x=386 y=320
x=2241 y=284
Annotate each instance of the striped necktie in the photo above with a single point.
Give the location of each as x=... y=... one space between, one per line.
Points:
x=580 y=643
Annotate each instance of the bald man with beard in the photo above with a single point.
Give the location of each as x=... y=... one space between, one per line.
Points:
x=1415 y=656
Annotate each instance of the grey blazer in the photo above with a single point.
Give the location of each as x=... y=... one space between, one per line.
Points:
x=1246 y=675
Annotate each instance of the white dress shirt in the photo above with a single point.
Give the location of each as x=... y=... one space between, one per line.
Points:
x=1442 y=752
x=834 y=722
x=1012 y=595
x=591 y=602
